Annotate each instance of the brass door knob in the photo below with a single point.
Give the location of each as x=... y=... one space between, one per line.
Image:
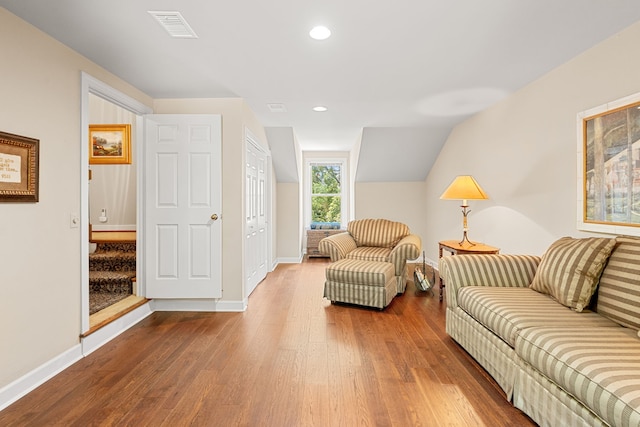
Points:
x=214 y=217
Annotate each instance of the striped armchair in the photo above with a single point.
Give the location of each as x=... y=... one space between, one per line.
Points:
x=375 y=240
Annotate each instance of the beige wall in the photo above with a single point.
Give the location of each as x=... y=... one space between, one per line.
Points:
x=523 y=152
x=288 y=220
x=355 y=156
x=39 y=252
x=235 y=117
x=395 y=201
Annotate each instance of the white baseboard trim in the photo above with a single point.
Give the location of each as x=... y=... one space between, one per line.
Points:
x=28 y=382
x=108 y=332
x=210 y=305
x=291 y=260
x=428 y=261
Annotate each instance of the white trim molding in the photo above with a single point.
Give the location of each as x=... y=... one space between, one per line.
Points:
x=207 y=305
x=33 y=379
x=22 y=386
x=91 y=85
x=291 y=260
x=97 y=339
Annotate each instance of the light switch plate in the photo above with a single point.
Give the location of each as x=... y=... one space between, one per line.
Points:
x=74 y=220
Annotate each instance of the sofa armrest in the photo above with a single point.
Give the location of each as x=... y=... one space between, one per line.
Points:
x=407 y=248
x=485 y=270
x=337 y=246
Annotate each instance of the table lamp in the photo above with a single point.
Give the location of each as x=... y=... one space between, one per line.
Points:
x=464 y=188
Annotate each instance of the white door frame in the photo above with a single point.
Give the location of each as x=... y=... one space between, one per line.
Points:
x=91 y=85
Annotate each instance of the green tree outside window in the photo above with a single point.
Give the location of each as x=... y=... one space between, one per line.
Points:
x=326 y=193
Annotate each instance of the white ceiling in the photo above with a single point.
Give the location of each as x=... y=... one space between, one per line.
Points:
x=388 y=66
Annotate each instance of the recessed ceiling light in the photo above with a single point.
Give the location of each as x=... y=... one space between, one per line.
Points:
x=320 y=108
x=320 y=33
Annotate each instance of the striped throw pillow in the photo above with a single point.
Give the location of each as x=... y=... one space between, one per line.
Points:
x=570 y=270
x=619 y=289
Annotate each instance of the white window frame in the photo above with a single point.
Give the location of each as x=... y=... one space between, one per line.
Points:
x=344 y=188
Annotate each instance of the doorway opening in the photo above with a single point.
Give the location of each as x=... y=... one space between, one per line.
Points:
x=112 y=208
x=110 y=244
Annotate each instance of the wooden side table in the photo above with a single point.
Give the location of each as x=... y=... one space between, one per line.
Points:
x=455 y=248
x=314 y=237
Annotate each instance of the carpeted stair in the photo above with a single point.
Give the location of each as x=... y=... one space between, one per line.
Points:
x=112 y=269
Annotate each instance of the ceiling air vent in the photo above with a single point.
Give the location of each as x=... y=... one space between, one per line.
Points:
x=277 y=108
x=175 y=24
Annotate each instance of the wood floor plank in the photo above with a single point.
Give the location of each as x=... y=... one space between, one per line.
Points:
x=292 y=359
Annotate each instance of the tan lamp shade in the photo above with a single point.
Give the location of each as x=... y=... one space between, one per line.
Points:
x=464 y=187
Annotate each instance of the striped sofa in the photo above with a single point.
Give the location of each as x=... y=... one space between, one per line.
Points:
x=378 y=240
x=560 y=336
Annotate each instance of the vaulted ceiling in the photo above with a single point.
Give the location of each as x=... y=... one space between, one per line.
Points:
x=399 y=75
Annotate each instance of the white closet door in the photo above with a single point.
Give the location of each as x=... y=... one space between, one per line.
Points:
x=256 y=252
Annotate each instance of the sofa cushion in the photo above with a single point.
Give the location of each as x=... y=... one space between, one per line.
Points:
x=377 y=232
x=367 y=253
x=619 y=289
x=507 y=311
x=570 y=269
x=600 y=367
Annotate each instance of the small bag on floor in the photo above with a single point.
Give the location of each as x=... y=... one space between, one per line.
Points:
x=421 y=282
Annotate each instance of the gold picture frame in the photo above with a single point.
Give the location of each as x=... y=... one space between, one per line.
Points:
x=609 y=198
x=19 y=168
x=110 y=144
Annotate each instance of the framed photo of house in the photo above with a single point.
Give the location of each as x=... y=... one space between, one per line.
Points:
x=609 y=190
x=19 y=163
x=110 y=144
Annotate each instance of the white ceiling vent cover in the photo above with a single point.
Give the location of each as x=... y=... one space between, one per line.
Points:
x=175 y=24
x=277 y=108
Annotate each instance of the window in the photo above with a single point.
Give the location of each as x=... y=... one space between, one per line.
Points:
x=326 y=192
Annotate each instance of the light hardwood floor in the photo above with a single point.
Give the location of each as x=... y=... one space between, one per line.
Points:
x=292 y=359
x=113 y=312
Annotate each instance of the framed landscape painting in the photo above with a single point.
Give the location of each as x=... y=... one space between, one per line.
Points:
x=110 y=144
x=610 y=138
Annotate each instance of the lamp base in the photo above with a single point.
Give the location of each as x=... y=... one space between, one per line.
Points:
x=465 y=239
x=465 y=227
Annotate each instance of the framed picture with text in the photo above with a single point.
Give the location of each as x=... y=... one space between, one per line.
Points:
x=19 y=163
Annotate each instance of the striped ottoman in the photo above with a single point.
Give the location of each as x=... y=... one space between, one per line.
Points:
x=369 y=283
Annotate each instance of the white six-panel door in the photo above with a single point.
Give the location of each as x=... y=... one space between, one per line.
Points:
x=183 y=206
x=256 y=217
